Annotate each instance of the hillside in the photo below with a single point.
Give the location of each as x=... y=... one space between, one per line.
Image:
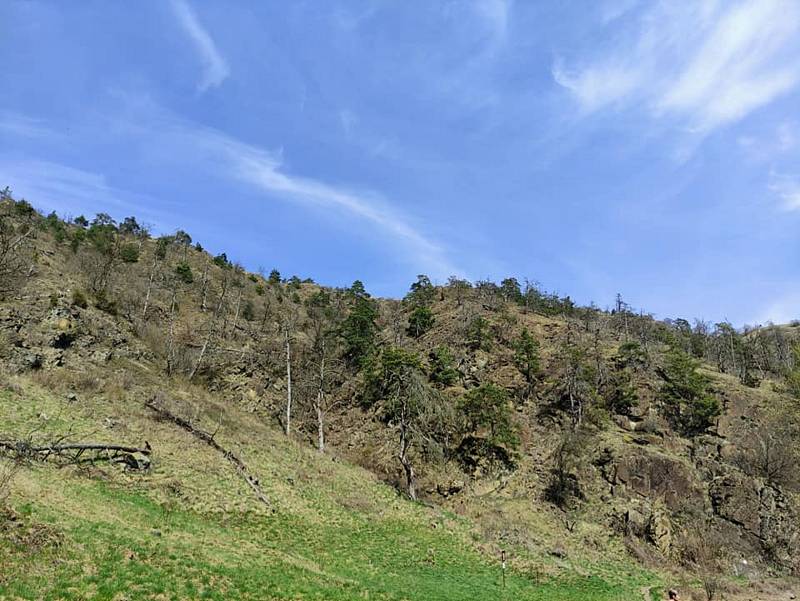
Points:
x=291 y=441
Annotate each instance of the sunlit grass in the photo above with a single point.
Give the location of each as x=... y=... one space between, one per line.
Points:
x=335 y=532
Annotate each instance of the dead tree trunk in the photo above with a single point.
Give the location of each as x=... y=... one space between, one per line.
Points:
x=204 y=288
x=149 y=287
x=237 y=463
x=211 y=329
x=320 y=402
x=171 y=339
x=73 y=453
x=288 y=347
x=236 y=314
x=411 y=477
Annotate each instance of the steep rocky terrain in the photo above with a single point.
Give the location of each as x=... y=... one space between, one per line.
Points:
x=531 y=426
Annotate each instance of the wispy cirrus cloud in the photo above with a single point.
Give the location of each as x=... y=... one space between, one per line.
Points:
x=24 y=126
x=787 y=189
x=497 y=15
x=216 y=152
x=215 y=67
x=768 y=144
x=265 y=171
x=69 y=190
x=783 y=308
x=708 y=64
x=612 y=10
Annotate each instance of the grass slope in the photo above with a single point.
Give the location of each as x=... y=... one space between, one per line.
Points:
x=191 y=530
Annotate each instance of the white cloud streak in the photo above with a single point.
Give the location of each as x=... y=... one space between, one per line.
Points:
x=230 y=158
x=784 y=309
x=496 y=14
x=709 y=64
x=215 y=68
x=24 y=126
x=787 y=189
x=263 y=170
x=54 y=186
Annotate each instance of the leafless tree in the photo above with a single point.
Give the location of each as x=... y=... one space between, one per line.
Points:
x=16 y=235
x=768 y=450
x=287 y=326
x=211 y=328
x=204 y=287
x=321 y=362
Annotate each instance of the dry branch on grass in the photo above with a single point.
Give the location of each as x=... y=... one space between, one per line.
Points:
x=208 y=438
x=137 y=458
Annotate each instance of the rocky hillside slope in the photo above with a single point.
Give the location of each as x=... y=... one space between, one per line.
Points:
x=273 y=430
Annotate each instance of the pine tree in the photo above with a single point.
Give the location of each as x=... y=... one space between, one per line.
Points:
x=359 y=328
x=685 y=395
x=526 y=358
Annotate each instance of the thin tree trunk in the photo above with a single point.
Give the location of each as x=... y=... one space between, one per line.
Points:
x=204 y=290
x=321 y=402
x=149 y=288
x=320 y=429
x=171 y=340
x=236 y=315
x=411 y=480
x=211 y=330
x=288 y=380
x=208 y=438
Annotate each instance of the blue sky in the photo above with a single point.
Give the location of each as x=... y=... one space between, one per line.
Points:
x=651 y=148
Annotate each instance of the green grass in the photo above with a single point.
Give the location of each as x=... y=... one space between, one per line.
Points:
x=336 y=533
x=121 y=544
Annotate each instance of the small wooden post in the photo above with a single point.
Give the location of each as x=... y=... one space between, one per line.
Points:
x=503 y=558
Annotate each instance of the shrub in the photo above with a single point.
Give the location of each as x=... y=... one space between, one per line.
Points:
x=104 y=303
x=620 y=393
x=79 y=298
x=184 y=272
x=222 y=260
x=23 y=208
x=442 y=371
x=478 y=335
x=162 y=244
x=249 y=311
x=488 y=408
x=56 y=226
x=526 y=357
x=129 y=253
x=78 y=236
x=420 y=321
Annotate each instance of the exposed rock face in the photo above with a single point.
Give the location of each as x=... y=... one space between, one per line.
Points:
x=761 y=510
x=736 y=498
x=659 y=530
x=38 y=335
x=652 y=475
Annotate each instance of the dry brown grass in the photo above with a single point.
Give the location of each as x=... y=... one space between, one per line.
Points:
x=8 y=471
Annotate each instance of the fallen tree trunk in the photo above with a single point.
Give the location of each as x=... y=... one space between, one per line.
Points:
x=208 y=438
x=73 y=452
